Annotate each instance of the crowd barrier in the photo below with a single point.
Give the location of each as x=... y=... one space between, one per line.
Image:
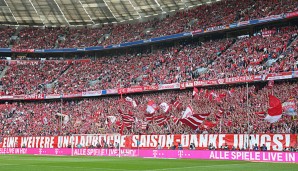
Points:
x=260 y=156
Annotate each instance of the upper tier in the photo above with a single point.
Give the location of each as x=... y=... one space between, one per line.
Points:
x=205 y=18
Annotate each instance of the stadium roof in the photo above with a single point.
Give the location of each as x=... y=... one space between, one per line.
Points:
x=86 y=12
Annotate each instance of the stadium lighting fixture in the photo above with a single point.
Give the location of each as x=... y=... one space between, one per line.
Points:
x=86 y=12
x=11 y=12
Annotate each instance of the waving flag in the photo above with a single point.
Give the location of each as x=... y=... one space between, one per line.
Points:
x=66 y=119
x=112 y=119
x=188 y=112
x=219 y=114
x=131 y=101
x=151 y=107
x=209 y=124
x=193 y=121
x=44 y=120
x=275 y=109
x=160 y=119
x=148 y=117
x=127 y=118
x=164 y=107
x=231 y=92
x=289 y=107
x=261 y=115
x=195 y=92
x=177 y=104
x=144 y=125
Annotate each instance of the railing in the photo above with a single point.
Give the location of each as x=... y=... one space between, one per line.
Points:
x=160 y=87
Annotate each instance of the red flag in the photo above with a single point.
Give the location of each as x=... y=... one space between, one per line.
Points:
x=148 y=116
x=195 y=92
x=151 y=107
x=177 y=104
x=194 y=121
x=261 y=114
x=231 y=92
x=160 y=120
x=275 y=109
x=209 y=124
x=275 y=106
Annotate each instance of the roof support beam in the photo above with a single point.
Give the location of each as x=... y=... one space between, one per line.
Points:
x=11 y=12
x=61 y=12
x=86 y=12
x=110 y=10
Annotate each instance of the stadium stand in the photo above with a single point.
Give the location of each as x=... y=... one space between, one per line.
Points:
x=189 y=20
x=207 y=60
x=227 y=114
x=231 y=109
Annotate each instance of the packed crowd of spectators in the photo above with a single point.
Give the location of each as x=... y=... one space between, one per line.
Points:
x=252 y=55
x=5 y=33
x=211 y=59
x=31 y=78
x=103 y=115
x=261 y=9
x=208 y=15
x=35 y=38
x=84 y=37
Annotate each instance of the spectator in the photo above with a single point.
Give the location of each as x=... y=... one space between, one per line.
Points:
x=255 y=147
x=263 y=147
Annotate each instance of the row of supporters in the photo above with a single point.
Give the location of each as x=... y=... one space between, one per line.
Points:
x=257 y=108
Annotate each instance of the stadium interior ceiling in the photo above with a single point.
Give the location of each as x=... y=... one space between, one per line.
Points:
x=87 y=12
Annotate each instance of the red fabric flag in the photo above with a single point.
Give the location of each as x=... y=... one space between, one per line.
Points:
x=261 y=114
x=209 y=124
x=275 y=106
x=195 y=92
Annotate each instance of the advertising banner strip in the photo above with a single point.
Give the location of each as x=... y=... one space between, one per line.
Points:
x=273 y=142
x=139 y=89
x=260 y=156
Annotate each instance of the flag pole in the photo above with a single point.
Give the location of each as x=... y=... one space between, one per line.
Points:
x=61 y=115
x=220 y=124
x=248 y=131
x=247 y=106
